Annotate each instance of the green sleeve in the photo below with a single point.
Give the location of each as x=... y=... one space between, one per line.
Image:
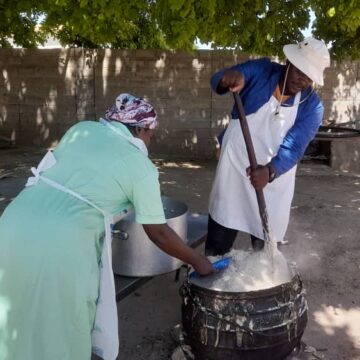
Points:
x=146 y=199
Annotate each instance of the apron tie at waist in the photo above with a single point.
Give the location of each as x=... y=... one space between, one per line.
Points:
x=46 y=163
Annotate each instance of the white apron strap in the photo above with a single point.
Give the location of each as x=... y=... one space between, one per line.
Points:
x=104 y=336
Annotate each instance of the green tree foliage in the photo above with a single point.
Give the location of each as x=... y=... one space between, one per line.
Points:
x=103 y=23
x=18 y=20
x=256 y=26
x=338 y=22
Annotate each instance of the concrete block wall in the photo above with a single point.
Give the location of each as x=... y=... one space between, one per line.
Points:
x=44 y=92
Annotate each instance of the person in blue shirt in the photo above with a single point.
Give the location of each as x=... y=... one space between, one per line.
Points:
x=284 y=113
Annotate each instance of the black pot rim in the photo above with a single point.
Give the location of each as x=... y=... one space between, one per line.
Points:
x=249 y=294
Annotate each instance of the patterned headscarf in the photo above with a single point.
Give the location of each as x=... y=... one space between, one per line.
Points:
x=132 y=111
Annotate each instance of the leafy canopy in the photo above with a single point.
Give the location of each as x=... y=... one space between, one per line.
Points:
x=259 y=27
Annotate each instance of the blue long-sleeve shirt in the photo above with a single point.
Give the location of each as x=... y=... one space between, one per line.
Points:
x=261 y=78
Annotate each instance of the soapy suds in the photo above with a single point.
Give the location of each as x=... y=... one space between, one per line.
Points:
x=249 y=271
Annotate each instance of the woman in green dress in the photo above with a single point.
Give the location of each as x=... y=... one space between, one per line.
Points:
x=56 y=287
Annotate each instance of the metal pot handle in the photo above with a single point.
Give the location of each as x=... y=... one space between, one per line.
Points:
x=120 y=234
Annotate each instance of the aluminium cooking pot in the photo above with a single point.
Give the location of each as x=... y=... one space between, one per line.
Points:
x=134 y=254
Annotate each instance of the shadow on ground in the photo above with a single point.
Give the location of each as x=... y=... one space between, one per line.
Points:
x=323 y=235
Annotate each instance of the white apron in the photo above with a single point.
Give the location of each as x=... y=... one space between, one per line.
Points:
x=233 y=201
x=104 y=336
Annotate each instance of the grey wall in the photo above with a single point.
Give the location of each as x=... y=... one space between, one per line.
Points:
x=44 y=92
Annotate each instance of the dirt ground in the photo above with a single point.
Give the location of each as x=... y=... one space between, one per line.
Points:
x=323 y=235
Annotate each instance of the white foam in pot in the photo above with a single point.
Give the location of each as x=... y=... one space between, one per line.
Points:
x=248 y=271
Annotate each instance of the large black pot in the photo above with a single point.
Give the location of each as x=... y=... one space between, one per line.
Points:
x=259 y=325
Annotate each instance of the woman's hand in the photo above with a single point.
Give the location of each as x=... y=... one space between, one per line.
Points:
x=258 y=177
x=232 y=80
x=203 y=266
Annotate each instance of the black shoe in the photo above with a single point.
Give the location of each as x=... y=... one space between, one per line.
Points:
x=257 y=244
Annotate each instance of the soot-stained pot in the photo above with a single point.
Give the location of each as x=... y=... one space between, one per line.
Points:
x=258 y=325
x=134 y=254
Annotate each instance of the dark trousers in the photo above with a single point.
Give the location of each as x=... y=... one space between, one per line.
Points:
x=220 y=239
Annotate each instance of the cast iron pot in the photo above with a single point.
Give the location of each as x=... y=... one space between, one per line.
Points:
x=258 y=325
x=134 y=254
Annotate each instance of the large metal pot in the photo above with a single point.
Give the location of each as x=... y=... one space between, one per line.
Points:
x=134 y=254
x=259 y=325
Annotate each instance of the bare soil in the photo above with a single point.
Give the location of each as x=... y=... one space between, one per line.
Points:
x=323 y=239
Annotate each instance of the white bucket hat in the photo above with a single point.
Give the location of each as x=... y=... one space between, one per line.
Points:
x=310 y=56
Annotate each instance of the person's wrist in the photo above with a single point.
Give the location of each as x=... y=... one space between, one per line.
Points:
x=221 y=88
x=272 y=172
